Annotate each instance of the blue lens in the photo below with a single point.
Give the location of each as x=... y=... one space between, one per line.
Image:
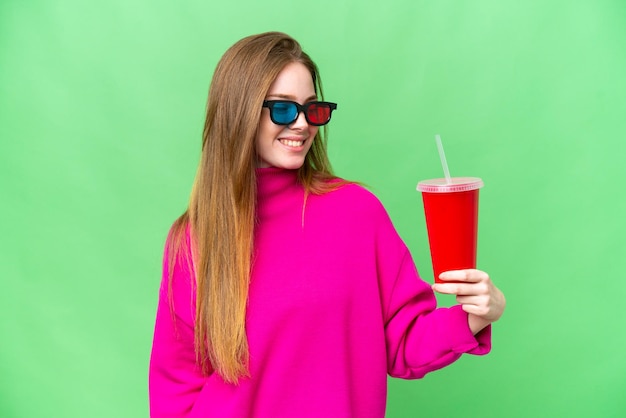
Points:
x=284 y=112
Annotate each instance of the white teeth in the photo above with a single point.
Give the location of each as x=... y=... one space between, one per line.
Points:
x=292 y=143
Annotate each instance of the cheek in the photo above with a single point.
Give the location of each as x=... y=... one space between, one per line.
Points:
x=266 y=132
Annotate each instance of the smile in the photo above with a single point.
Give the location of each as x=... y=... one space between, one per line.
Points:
x=291 y=143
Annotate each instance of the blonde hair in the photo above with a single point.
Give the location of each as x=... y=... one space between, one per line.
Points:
x=221 y=213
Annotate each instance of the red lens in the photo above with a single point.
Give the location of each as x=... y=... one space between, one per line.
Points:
x=318 y=114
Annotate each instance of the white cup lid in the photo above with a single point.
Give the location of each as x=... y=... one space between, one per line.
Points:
x=457 y=184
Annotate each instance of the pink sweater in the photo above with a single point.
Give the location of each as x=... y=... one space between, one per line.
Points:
x=335 y=305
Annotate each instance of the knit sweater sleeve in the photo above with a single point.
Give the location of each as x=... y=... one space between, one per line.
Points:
x=420 y=337
x=174 y=379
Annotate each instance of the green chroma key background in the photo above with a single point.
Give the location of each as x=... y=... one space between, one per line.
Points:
x=101 y=112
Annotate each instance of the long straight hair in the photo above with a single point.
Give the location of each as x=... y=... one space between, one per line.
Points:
x=222 y=206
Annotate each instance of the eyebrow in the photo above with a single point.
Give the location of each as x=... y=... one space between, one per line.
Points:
x=292 y=98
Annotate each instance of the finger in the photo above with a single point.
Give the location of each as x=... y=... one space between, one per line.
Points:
x=445 y=288
x=471 y=300
x=466 y=275
x=461 y=289
x=478 y=310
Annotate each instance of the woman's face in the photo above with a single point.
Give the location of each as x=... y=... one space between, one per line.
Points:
x=285 y=146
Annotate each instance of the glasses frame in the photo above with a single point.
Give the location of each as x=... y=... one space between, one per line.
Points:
x=301 y=109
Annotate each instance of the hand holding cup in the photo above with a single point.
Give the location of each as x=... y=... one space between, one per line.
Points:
x=476 y=293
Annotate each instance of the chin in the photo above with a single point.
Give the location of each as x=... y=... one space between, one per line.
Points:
x=290 y=164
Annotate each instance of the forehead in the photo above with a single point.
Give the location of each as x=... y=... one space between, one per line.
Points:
x=294 y=79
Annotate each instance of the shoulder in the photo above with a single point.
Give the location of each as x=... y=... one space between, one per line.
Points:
x=179 y=233
x=354 y=211
x=355 y=200
x=177 y=253
x=362 y=195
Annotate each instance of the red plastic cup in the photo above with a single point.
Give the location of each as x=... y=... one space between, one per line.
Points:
x=451 y=212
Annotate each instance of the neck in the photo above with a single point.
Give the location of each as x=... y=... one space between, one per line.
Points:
x=277 y=190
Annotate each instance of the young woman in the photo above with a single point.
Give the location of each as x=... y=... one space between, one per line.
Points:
x=286 y=291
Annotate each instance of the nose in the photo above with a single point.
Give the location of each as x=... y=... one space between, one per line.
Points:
x=300 y=122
